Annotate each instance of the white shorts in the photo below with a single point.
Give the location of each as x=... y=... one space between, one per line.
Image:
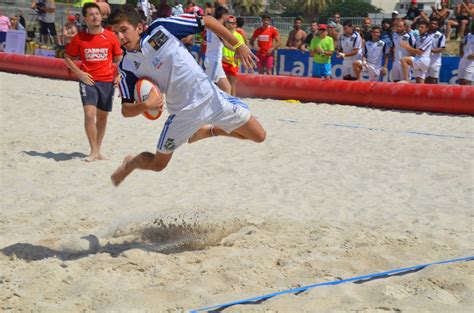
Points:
x=221 y=110
x=214 y=70
x=374 y=72
x=466 y=69
x=347 y=68
x=397 y=73
x=434 y=70
x=420 y=67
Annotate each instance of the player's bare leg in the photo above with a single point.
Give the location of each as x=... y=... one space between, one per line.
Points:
x=144 y=161
x=251 y=130
x=90 y=112
x=101 y=123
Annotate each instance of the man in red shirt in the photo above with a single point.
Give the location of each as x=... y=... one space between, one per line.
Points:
x=97 y=48
x=265 y=36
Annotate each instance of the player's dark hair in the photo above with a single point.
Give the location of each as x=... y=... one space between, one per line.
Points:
x=423 y=22
x=298 y=19
x=377 y=28
x=347 y=23
x=125 y=13
x=434 y=19
x=219 y=12
x=89 y=5
x=264 y=16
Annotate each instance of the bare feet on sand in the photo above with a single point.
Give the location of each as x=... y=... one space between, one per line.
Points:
x=94 y=157
x=202 y=133
x=122 y=171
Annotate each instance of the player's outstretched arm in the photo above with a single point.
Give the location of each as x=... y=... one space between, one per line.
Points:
x=242 y=52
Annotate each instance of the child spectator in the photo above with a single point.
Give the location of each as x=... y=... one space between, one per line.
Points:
x=321 y=49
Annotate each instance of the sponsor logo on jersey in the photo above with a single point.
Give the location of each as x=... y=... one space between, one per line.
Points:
x=137 y=64
x=158 y=40
x=96 y=54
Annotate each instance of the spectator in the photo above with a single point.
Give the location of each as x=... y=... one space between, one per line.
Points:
x=192 y=8
x=439 y=44
x=69 y=30
x=420 y=61
x=241 y=30
x=297 y=35
x=46 y=15
x=441 y=14
x=387 y=33
x=229 y=63
x=15 y=23
x=464 y=13
x=466 y=64
x=395 y=17
x=104 y=11
x=313 y=27
x=177 y=9
x=332 y=32
x=5 y=23
x=413 y=13
x=350 y=50
x=164 y=10
x=401 y=35
x=337 y=20
x=367 y=29
x=97 y=48
x=268 y=40
x=78 y=22
x=375 y=50
x=410 y=29
x=209 y=10
x=213 y=60
x=321 y=49
x=21 y=18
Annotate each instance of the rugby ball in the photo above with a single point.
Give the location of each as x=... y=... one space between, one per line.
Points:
x=143 y=88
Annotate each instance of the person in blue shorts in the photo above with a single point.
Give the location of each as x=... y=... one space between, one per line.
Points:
x=321 y=49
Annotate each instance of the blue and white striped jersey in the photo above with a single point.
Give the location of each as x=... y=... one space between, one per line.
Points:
x=164 y=59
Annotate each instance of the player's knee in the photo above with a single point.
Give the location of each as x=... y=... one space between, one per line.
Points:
x=158 y=166
x=260 y=136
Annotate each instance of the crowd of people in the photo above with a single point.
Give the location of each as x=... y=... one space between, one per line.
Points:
x=413 y=43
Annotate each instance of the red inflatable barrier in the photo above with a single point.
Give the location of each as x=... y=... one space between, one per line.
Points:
x=36 y=66
x=428 y=98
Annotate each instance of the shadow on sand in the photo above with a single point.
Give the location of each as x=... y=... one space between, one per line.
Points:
x=58 y=157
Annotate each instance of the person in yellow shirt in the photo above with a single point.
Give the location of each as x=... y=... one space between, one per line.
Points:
x=322 y=48
x=229 y=62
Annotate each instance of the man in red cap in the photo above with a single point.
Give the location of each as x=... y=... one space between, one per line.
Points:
x=322 y=48
x=413 y=13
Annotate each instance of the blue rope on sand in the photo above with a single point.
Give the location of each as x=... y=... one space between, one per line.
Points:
x=357 y=280
x=419 y=133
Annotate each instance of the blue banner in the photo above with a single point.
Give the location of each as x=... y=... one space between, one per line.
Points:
x=298 y=63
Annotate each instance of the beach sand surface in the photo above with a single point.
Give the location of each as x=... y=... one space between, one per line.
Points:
x=334 y=192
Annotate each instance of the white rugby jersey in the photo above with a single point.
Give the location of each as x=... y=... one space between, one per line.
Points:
x=439 y=41
x=164 y=59
x=399 y=51
x=349 y=43
x=214 y=47
x=468 y=45
x=424 y=43
x=374 y=51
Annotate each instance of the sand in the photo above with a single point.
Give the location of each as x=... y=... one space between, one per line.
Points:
x=320 y=200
